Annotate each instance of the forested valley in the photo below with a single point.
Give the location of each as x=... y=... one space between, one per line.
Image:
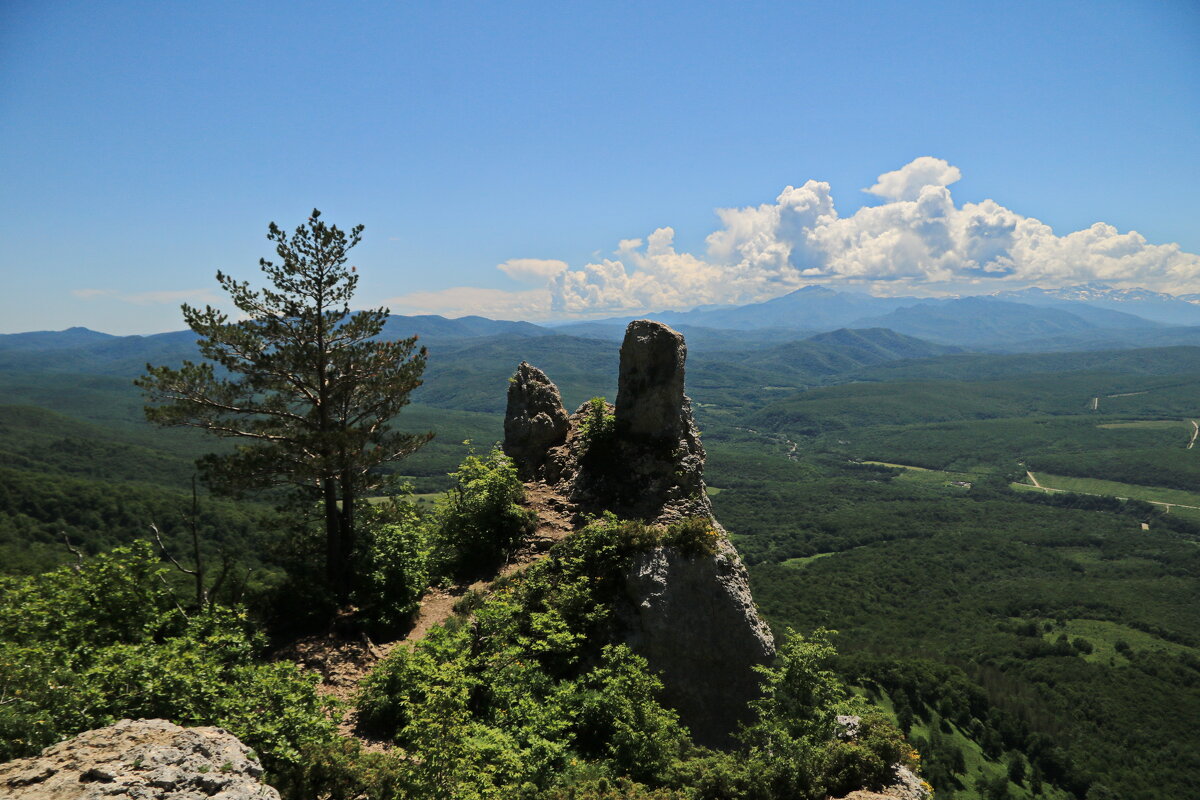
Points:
x=1005 y=545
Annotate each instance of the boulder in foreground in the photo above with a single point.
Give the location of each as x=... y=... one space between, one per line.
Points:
x=148 y=759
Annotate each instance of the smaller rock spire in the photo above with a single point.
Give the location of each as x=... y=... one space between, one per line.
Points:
x=535 y=420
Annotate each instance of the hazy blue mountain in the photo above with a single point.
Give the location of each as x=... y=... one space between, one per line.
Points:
x=810 y=308
x=90 y=352
x=1156 y=306
x=52 y=340
x=697 y=336
x=980 y=322
x=437 y=327
x=837 y=352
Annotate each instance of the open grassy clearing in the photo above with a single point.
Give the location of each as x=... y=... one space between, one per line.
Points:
x=931 y=477
x=1089 y=557
x=1104 y=636
x=1149 y=424
x=1150 y=494
x=425 y=500
x=804 y=561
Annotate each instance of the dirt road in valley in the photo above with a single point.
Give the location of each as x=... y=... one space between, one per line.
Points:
x=1195 y=432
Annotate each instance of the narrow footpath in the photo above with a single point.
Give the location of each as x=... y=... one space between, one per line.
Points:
x=343 y=659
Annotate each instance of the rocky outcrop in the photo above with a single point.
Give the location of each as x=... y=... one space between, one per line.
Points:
x=905 y=785
x=149 y=759
x=691 y=616
x=535 y=420
x=648 y=466
x=660 y=448
x=693 y=619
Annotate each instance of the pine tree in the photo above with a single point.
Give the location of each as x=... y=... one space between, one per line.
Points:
x=306 y=388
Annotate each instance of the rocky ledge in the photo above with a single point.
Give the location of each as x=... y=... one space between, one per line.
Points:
x=148 y=759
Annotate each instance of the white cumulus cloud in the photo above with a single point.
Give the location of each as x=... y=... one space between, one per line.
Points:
x=907 y=182
x=918 y=241
x=460 y=301
x=536 y=271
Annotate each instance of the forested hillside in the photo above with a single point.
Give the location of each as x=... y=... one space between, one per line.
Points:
x=1029 y=640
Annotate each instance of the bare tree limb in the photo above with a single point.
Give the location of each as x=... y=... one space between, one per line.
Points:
x=167 y=553
x=73 y=551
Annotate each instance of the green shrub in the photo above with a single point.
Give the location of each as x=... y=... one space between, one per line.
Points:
x=597 y=425
x=82 y=648
x=479 y=521
x=393 y=562
x=535 y=696
x=696 y=536
x=866 y=760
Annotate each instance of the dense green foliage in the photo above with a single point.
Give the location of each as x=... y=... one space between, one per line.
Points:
x=597 y=425
x=36 y=510
x=478 y=522
x=1029 y=645
x=531 y=695
x=990 y=615
x=395 y=561
x=83 y=647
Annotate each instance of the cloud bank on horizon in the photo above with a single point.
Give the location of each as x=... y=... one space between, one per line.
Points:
x=916 y=242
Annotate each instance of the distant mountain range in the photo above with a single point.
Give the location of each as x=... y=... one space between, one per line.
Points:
x=1086 y=317
x=1080 y=317
x=1154 y=306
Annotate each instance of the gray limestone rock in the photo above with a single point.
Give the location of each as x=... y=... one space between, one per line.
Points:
x=650 y=399
x=535 y=420
x=694 y=621
x=151 y=759
x=654 y=467
x=905 y=785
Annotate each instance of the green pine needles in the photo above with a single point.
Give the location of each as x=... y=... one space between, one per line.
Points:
x=306 y=387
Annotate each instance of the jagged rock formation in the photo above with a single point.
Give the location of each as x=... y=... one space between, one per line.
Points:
x=536 y=419
x=149 y=759
x=692 y=617
x=651 y=467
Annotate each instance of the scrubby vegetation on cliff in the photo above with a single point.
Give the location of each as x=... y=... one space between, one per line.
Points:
x=528 y=693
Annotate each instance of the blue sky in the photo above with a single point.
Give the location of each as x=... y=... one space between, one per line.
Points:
x=589 y=146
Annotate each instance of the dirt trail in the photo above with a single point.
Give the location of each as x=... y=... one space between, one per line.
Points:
x=1033 y=480
x=343 y=659
x=1195 y=432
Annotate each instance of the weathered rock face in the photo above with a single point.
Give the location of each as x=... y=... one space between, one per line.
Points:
x=535 y=420
x=650 y=400
x=146 y=759
x=693 y=619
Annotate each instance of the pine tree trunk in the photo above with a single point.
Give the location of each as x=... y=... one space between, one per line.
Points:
x=334 y=557
x=346 y=535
